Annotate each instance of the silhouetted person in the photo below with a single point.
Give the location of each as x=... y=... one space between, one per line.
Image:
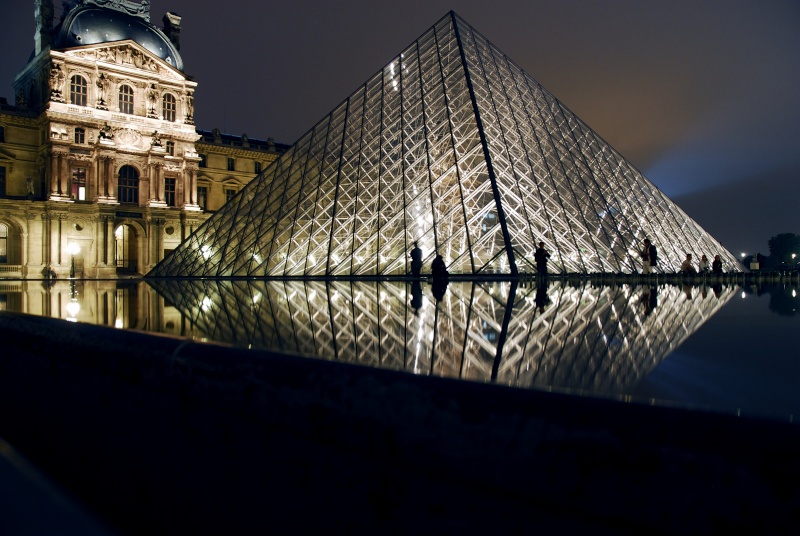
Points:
x=716 y=265
x=652 y=254
x=540 y=256
x=687 y=268
x=416 y=260
x=416 y=296
x=439 y=269
x=645 y=254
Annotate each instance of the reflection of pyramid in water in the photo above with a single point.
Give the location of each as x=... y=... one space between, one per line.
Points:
x=599 y=339
x=453 y=146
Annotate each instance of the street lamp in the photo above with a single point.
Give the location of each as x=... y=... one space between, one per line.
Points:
x=73 y=249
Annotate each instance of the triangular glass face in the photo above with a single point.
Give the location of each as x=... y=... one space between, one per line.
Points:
x=454 y=147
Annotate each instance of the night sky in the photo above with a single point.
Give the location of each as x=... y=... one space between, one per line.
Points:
x=703 y=96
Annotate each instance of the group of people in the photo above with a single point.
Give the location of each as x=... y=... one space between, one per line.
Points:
x=438 y=267
x=703 y=267
x=649 y=255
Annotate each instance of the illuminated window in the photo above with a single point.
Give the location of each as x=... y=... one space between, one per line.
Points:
x=171 y=148
x=203 y=161
x=128 y=186
x=126 y=99
x=229 y=194
x=3 y=242
x=168 y=107
x=80 y=135
x=231 y=164
x=202 y=196
x=169 y=191
x=258 y=167
x=78 y=185
x=78 y=90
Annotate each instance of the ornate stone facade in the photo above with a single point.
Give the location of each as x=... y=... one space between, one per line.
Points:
x=99 y=167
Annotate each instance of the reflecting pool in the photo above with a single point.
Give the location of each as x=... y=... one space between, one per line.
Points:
x=723 y=348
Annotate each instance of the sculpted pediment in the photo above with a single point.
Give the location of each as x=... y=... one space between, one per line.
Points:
x=127 y=54
x=127 y=137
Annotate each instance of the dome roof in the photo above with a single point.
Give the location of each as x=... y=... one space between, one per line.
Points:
x=93 y=25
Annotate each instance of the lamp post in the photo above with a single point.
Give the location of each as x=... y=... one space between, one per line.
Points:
x=73 y=249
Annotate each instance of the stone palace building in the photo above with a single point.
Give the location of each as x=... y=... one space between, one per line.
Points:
x=102 y=170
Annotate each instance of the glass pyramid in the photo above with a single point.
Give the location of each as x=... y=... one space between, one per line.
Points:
x=453 y=146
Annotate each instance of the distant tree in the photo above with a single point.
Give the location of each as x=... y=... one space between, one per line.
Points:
x=782 y=246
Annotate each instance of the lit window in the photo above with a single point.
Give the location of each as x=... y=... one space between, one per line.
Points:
x=3 y=242
x=202 y=196
x=80 y=135
x=169 y=191
x=258 y=167
x=128 y=185
x=168 y=107
x=78 y=189
x=78 y=91
x=171 y=148
x=231 y=164
x=126 y=99
x=229 y=194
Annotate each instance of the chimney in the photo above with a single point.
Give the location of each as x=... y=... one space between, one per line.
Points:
x=172 y=28
x=43 y=13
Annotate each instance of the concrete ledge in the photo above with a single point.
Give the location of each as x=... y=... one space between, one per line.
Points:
x=164 y=435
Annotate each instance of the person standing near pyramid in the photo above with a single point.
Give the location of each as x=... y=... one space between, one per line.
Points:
x=540 y=256
x=416 y=260
x=649 y=257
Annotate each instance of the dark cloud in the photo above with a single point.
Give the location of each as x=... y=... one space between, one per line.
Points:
x=697 y=94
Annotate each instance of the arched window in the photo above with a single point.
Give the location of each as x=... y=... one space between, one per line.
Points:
x=78 y=90
x=168 y=107
x=126 y=99
x=3 y=243
x=128 y=185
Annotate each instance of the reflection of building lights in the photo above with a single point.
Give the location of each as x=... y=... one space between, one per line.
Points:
x=794 y=293
x=205 y=251
x=256 y=298
x=73 y=308
x=206 y=304
x=118 y=323
x=257 y=258
x=743 y=295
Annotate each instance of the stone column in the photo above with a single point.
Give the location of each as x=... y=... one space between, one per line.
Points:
x=55 y=185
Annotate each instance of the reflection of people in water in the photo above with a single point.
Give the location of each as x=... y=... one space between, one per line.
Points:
x=416 y=296
x=717 y=290
x=438 y=288
x=650 y=299
x=542 y=299
x=687 y=289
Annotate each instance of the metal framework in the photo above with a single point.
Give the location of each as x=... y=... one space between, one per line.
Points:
x=453 y=146
x=596 y=339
